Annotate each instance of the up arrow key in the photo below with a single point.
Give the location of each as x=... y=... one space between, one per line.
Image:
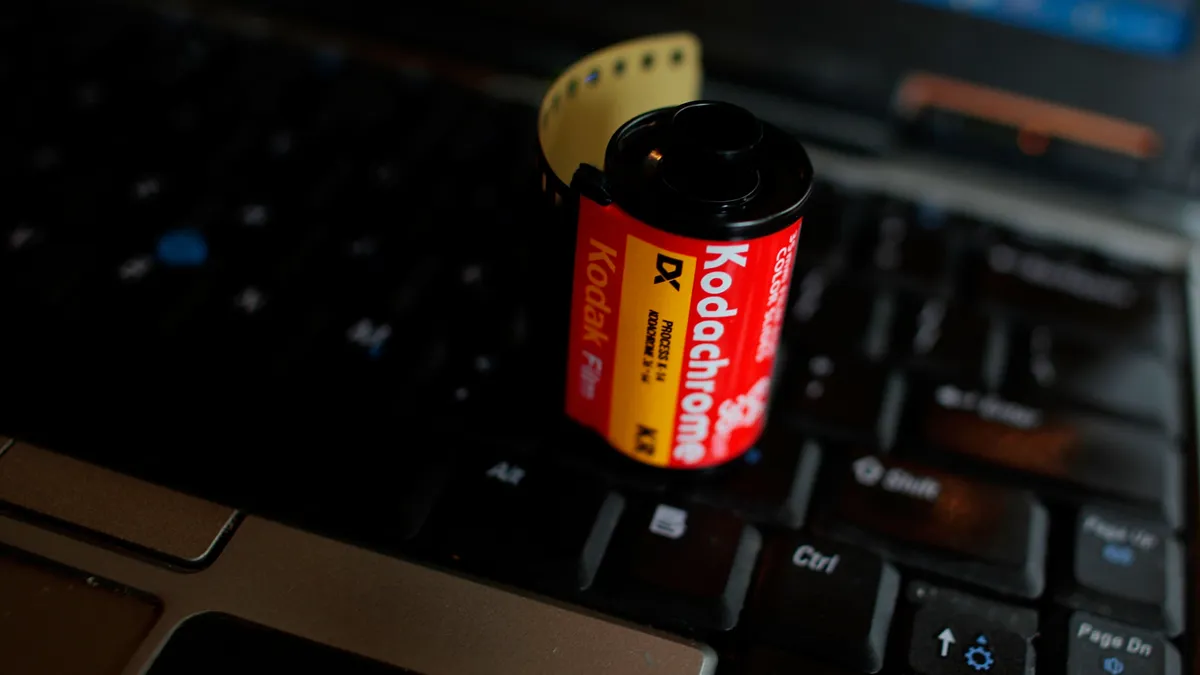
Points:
x=947 y=638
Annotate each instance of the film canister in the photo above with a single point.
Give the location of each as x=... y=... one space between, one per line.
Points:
x=683 y=251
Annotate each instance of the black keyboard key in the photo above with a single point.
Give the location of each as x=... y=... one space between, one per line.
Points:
x=153 y=195
x=825 y=232
x=142 y=296
x=278 y=176
x=47 y=242
x=956 y=634
x=478 y=297
x=245 y=329
x=368 y=267
x=519 y=521
x=1097 y=646
x=273 y=76
x=360 y=100
x=910 y=244
x=189 y=54
x=35 y=264
x=379 y=193
x=768 y=661
x=365 y=345
x=843 y=399
x=1084 y=454
x=358 y=333
x=383 y=510
x=830 y=316
x=948 y=524
x=686 y=566
x=950 y=339
x=1107 y=377
x=257 y=231
x=1080 y=294
x=823 y=598
x=1127 y=568
x=770 y=483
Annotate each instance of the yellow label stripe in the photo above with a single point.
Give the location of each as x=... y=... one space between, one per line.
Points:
x=656 y=297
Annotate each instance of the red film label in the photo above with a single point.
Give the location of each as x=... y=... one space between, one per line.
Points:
x=673 y=339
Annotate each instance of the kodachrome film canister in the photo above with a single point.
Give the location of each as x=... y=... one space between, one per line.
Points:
x=684 y=248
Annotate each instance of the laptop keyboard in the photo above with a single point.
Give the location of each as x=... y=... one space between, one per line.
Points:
x=307 y=286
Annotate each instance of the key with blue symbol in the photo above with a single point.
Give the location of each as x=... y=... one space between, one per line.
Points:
x=184 y=247
x=1096 y=646
x=360 y=342
x=958 y=634
x=1128 y=568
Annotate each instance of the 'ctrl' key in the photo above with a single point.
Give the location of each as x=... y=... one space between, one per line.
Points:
x=825 y=599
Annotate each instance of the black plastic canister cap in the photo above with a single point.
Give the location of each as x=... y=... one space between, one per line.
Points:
x=709 y=153
x=722 y=131
x=708 y=169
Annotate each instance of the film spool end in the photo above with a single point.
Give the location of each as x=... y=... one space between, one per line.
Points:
x=708 y=169
x=721 y=130
x=708 y=158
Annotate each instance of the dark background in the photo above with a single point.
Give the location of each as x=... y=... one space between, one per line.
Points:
x=849 y=53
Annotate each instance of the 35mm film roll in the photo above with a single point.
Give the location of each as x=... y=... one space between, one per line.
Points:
x=686 y=216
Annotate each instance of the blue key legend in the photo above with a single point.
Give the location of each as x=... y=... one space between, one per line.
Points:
x=1117 y=554
x=979 y=656
x=184 y=247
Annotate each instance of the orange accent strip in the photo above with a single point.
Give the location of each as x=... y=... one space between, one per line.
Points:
x=1027 y=115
